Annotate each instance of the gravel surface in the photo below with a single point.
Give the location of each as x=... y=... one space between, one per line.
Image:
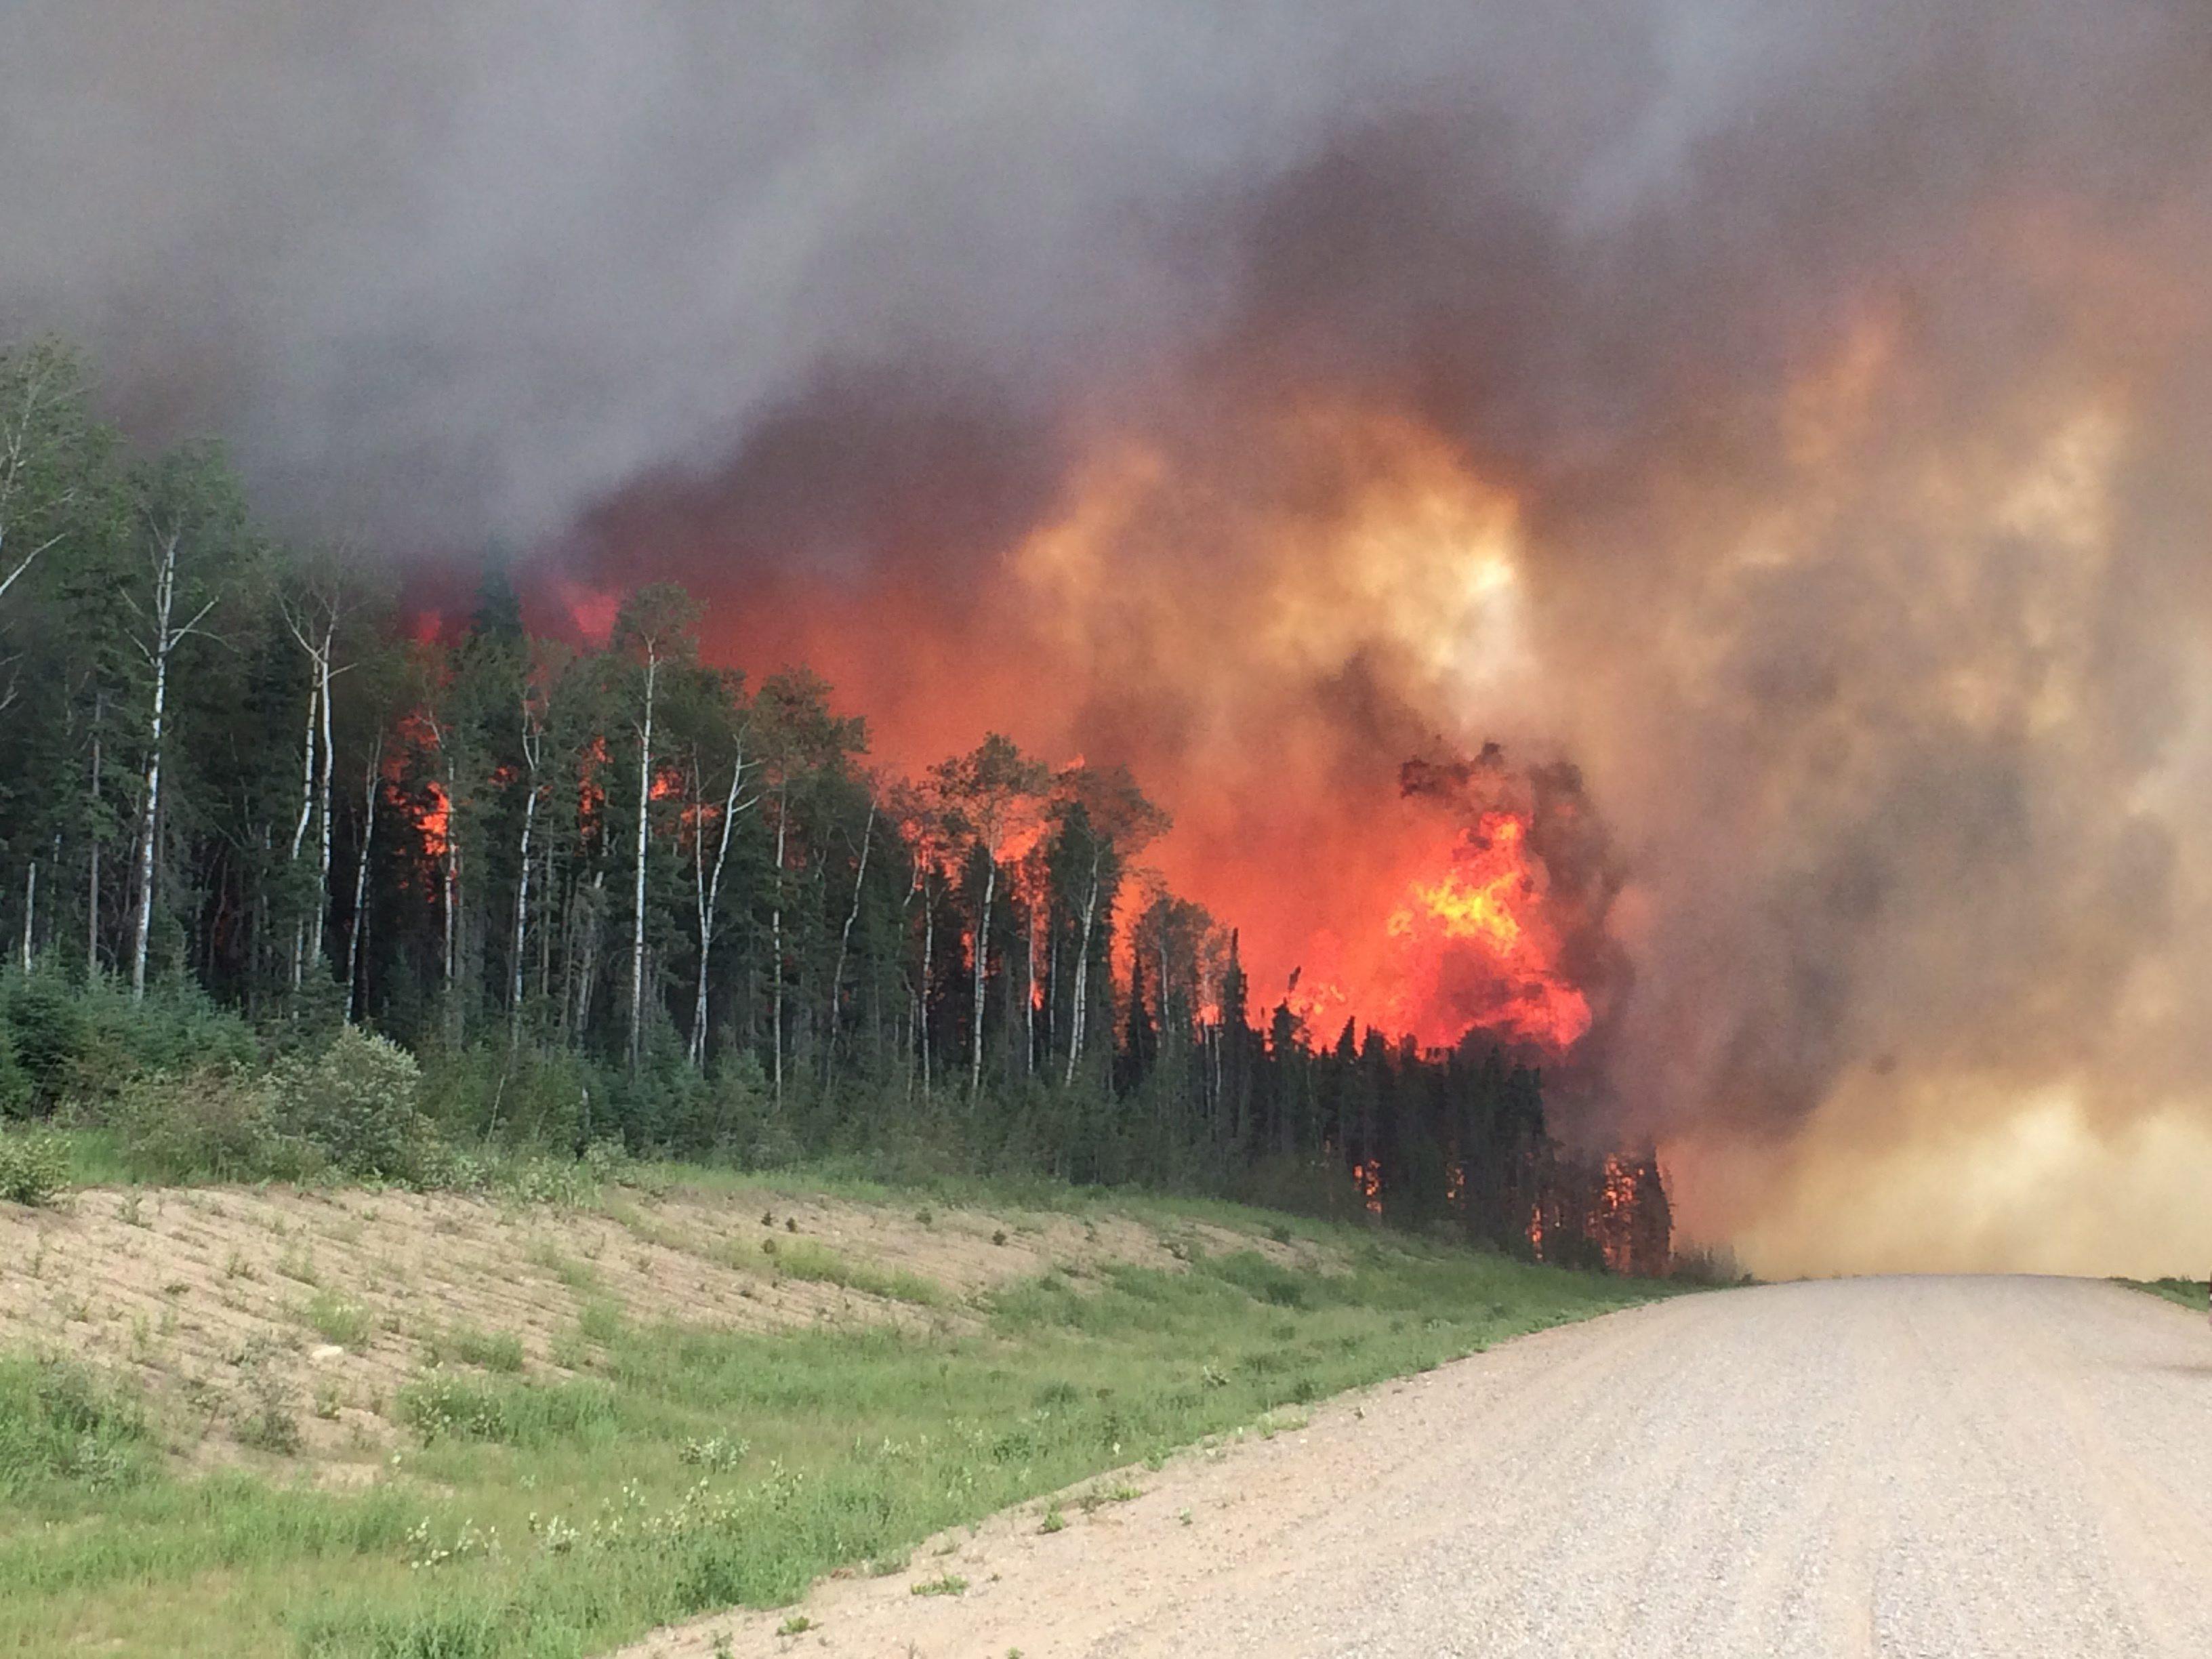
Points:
x=1918 y=1467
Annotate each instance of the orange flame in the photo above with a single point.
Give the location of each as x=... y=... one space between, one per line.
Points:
x=1474 y=951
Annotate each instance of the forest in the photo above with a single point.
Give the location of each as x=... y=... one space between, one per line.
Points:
x=575 y=895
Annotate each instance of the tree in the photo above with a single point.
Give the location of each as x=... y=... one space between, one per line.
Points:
x=653 y=628
x=195 y=534
x=1101 y=816
x=992 y=798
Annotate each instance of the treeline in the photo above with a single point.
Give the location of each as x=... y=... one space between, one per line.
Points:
x=623 y=895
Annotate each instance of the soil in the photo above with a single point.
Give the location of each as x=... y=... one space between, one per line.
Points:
x=218 y=1299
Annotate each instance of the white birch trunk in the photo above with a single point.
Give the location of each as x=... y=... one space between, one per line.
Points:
x=844 y=941
x=707 y=892
x=521 y=906
x=30 y=910
x=638 y=904
x=324 y=780
x=776 y=943
x=307 y=816
x=361 y=880
x=982 y=964
x=1076 y=1015
x=165 y=642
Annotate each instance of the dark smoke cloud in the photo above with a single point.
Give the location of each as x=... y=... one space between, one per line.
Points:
x=1851 y=366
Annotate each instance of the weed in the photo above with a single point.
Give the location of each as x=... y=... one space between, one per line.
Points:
x=720 y=1455
x=337 y=1319
x=469 y=1344
x=809 y=1261
x=63 y=1424
x=443 y=1407
x=798 y=1625
x=951 y=1583
x=1053 y=1520
x=34 y=1168
x=265 y=1421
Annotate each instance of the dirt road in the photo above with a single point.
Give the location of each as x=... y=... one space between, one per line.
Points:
x=2012 y=1467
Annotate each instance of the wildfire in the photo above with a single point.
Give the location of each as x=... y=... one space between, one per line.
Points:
x=1476 y=950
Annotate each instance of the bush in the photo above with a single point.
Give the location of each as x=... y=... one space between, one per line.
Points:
x=58 y=1421
x=47 y=1033
x=32 y=1167
x=358 y=1105
x=211 y=1124
x=18 y=1098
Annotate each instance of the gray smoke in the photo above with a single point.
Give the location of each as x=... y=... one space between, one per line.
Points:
x=1852 y=365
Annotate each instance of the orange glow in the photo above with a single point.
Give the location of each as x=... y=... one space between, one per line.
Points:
x=1473 y=950
x=436 y=820
x=1368 y=1178
x=1264 y=694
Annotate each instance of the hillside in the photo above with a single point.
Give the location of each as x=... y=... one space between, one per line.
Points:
x=285 y=1416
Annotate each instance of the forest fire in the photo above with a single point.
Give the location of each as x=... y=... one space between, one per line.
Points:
x=1478 y=951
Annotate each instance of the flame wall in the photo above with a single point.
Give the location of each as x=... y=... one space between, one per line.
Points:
x=1796 y=418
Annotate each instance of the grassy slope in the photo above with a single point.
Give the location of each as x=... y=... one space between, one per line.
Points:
x=2188 y=1292
x=685 y=1468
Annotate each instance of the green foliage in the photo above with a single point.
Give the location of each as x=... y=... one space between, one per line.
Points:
x=61 y=1422
x=469 y=1344
x=210 y=1124
x=442 y=1406
x=339 y=1319
x=34 y=1168
x=82 y=1043
x=355 y=1105
x=805 y=1259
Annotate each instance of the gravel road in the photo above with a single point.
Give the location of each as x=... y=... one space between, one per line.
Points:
x=1919 y=1467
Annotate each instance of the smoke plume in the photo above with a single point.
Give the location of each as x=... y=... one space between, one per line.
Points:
x=1795 y=418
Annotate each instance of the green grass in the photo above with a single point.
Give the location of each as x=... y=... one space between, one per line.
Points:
x=802 y=1258
x=685 y=1469
x=2188 y=1292
x=340 y=1320
x=471 y=1344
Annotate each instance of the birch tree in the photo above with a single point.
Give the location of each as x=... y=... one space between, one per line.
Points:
x=193 y=533
x=992 y=798
x=1102 y=817
x=651 y=632
x=720 y=766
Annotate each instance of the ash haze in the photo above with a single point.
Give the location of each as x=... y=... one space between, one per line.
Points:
x=1797 y=417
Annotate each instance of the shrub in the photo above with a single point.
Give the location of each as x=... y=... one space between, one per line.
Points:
x=18 y=1098
x=32 y=1167
x=356 y=1104
x=208 y=1124
x=60 y=1421
x=47 y=1032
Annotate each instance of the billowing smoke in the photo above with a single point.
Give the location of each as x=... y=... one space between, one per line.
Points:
x=1796 y=418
